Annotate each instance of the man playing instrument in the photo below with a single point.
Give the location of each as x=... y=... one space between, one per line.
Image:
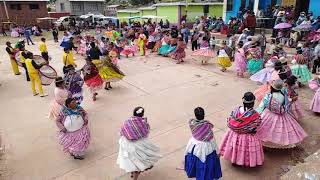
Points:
x=13 y=61
x=43 y=49
x=33 y=70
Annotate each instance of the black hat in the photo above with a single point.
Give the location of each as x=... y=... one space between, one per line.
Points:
x=248 y=97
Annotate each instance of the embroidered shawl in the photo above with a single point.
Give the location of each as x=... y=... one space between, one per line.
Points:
x=135 y=128
x=246 y=122
x=201 y=129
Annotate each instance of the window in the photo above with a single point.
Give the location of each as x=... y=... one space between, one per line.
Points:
x=62 y=8
x=77 y=7
x=229 y=5
x=34 y=6
x=15 y=6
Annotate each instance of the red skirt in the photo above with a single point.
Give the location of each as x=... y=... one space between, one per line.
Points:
x=94 y=84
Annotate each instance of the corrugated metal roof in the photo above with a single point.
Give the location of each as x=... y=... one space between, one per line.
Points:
x=148 y=8
x=27 y=0
x=190 y=3
x=113 y=6
x=87 y=0
x=129 y=10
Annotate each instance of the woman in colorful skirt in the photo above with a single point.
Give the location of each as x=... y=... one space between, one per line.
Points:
x=204 y=53
x=300 y=68
x=179 y=54
x=74 y=133
x=142 y=40
x=83 y=48
x=108 y=71
x=240 y=145
x=74 y=83
x=223 y=57
x=201 y=159
x=240 y=60
x=61 y=94
x=265 y=88
x=92 y=78
x=136 y=152
x=264 y=75
x=279 y=129
x=128 y=49
x=315 y=86
x=294 y=103
x=165 y=45
x=255 y=61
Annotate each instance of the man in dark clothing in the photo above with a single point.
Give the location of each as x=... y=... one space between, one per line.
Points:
x=27 y=35
x=94 y=52
x=194 y=40
x=55 y=34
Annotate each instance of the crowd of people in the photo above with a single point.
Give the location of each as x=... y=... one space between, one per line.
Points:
x=274 y=124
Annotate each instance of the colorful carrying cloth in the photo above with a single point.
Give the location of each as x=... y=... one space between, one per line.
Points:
x=246 y=122
x=135 y=128
x=201 y=129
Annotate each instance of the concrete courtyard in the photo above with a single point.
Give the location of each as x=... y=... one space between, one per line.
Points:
x=168 y=92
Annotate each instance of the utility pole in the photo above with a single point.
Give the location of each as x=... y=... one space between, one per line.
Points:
x=5 y=8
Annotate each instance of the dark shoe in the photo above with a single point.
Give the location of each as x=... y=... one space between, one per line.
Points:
x=78 y=157
x=106 y=88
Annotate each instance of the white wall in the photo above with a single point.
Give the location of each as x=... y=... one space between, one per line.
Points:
x=67 y=7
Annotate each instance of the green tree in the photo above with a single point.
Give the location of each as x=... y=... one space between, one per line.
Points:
x=141 y=2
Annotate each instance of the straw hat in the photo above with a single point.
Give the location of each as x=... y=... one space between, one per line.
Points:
x=283 y=60
x=277 y=84
x=222 y=43
x=280 y=45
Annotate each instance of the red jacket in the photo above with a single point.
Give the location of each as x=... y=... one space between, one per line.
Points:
x=250 y=22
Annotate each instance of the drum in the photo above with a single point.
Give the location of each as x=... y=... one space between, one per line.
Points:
x=18 y=58
x=47 y=74
x=38 y=59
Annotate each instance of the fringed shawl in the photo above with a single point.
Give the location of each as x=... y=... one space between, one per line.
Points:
x=246 y=122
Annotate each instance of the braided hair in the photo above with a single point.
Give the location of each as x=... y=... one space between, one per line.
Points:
x=199 y=113
x=248 y=100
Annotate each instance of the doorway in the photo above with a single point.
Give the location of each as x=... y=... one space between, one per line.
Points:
x=301 y=6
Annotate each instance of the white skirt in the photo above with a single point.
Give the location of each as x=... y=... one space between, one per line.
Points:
x=137 y=155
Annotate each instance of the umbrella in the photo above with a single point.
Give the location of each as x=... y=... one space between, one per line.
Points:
x=282 y=26
x=303 y=27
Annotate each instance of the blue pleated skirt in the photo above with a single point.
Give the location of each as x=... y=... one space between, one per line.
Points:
x=208 y=170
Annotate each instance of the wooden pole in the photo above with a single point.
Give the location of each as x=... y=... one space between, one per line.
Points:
x=5 y=8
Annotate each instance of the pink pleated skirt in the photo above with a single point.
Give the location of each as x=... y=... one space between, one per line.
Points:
x=315 y=103
x=280 y=131
x=76 y=142
x=261 y=92
x=203 y=52
x=94 y=84
x=242 y=149
x=296 y=110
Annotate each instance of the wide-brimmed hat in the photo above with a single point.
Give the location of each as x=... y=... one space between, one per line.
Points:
x=245 y=29
x=277 y=84
x=222 y=43
x=283 y=60
x=280 y=45
x=58 y=80
x=300 y=45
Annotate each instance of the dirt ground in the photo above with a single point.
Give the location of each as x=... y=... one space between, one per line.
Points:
x=169 y=93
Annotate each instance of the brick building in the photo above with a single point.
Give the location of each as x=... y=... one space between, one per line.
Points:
x=23 y=12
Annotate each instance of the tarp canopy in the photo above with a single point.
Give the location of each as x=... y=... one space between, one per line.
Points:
x=47 y=18
x=132 y=17
x=153 y=17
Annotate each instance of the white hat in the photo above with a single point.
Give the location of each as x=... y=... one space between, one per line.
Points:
x=300 y=45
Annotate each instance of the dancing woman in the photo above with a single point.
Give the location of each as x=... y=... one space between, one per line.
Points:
x=279 y=129
x=136 y=153
x=74 y=133
x=61 y=94
x=201 y=159
x=74 y=83
x=240 y=145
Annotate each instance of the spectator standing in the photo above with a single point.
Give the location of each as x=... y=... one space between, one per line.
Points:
x=27 y=35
